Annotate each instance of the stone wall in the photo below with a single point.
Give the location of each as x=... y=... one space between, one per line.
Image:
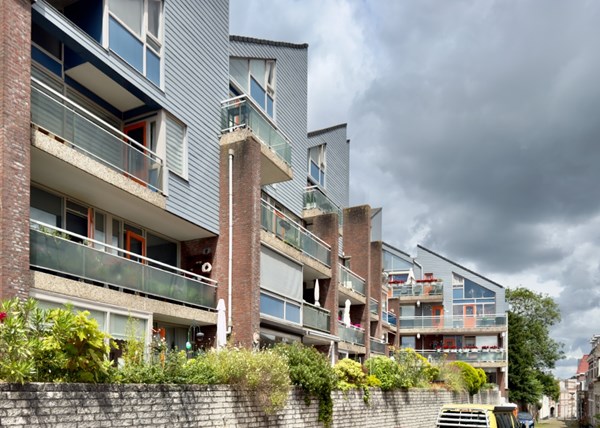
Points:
x=84 y=405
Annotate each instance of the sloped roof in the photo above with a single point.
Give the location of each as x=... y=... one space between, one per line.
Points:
x=267 y=42
x=583 y=365
x=326 y=130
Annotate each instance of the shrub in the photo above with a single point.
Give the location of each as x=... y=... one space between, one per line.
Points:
x=386 y=370
x=414 y=369
x=474 y=379
x=310 y=369
x=452 y=377
x=350 y=375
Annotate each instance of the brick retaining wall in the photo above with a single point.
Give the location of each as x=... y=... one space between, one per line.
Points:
x=173 y=406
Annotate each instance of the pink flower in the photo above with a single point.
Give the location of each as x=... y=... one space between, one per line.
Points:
x=2 y=316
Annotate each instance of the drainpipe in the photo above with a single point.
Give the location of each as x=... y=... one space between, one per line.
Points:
x=230 y=244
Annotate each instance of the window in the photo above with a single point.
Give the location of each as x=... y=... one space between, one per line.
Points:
x=176 y=147
x=135 y=34
x=316 y=165
x=256 y=77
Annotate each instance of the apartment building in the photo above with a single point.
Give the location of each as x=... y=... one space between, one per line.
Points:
x=111 y=159
x=591 y=396
x=150 y=170
x=445 y=311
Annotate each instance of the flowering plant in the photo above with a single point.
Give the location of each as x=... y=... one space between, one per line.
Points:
x=2 y=316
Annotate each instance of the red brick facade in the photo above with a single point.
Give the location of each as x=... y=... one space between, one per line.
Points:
x=15 y=139
x=375 y=283
x=246 y=238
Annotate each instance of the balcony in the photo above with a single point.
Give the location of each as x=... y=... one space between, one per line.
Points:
x=389 y=318
x=374 y=307
x=419 y=290
x=456 y=323
x=377 y=346
x=354 y=335
x=76 y=256
x=290 y=232
x=476 y=357
x=316 y=318
x=351 y=281
x=89 y=135
x=316 y=202
x=241 y=113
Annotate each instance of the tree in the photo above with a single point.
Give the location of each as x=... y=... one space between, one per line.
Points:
x=532 y=352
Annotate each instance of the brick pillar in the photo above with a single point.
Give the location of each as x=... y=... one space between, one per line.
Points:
x=326 y=227
x=357 y=245
x=376 y=271
x=15 y=140
x=246 y=238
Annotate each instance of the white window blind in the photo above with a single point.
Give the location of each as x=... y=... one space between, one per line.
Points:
x=175 y=146
x=280 y=275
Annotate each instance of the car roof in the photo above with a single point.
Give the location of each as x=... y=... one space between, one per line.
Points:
x=478 y=407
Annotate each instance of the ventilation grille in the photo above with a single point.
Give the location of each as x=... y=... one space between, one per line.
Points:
x=462 y=418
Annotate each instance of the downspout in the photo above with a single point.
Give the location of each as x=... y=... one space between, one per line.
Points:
x=230 y=244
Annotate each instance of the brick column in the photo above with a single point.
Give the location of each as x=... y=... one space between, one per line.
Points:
x=246 y=238
x=357 y=245
x=376 y=271
x=15 y=140
x=326 y=227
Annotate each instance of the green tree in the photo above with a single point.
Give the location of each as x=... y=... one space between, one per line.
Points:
x=532 y=352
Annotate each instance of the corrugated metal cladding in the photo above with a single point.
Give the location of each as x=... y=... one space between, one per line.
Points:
x=196 y=76
x=337 y=160
x=443 y=269
x=290 y=110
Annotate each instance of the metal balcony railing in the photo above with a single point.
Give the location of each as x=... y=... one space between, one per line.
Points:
x=452 y=322
x=374 y=307
x=418 y=290
x=241 y=112
x=467 y=355
x=314 y=198
x=292 y=233
x=67 y=253
x=355 y=335
x=92 y=136
x=316 y=318
x=377 y=346
x=350 y=280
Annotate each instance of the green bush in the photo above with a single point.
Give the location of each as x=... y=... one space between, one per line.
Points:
x=474 y=378
x=386 y=370
x=350 y=375
x=415 y=370
x=310 y=370
x=452 y=377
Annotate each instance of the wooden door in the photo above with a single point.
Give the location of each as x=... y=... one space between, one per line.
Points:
x=136 y=164
x=438 y=316
x=469 y=315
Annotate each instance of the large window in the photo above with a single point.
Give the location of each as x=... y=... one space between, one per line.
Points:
x=255 y=77
x=316 y=164
x=135 y=34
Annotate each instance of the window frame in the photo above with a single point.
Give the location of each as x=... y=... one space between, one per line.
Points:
x=321 y=166
x=184 y=146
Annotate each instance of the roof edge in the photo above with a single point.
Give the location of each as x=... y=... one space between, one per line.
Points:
x=317 y=132
x=244 y=39
x=458 y=265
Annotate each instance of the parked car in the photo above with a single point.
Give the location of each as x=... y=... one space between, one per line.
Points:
x=526 y=419
x=476 y=415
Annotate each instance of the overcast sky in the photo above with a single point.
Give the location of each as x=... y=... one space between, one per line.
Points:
x=474 y=124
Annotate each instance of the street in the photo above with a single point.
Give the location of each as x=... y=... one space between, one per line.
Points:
x=556 y=423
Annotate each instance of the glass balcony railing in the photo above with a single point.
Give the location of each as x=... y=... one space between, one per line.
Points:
x=292 y=233
x=241 y=112
x=351 y=334
x=316 y=318
x=374 y=307
x=90 y=135
x=377 y=346
x=467 y=355
x=350 y=280
x=451 y=322
x=66 y=253
x=314 y=198
x=418 y=290
x=389 y=317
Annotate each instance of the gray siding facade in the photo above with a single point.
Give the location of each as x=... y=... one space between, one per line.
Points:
x=337 y=157
x=443 y=268
x=196 y=76
x=290 y=108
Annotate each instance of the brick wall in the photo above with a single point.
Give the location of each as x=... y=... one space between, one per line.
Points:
x=173 y=406
x=246 y=237
x=15 y=65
